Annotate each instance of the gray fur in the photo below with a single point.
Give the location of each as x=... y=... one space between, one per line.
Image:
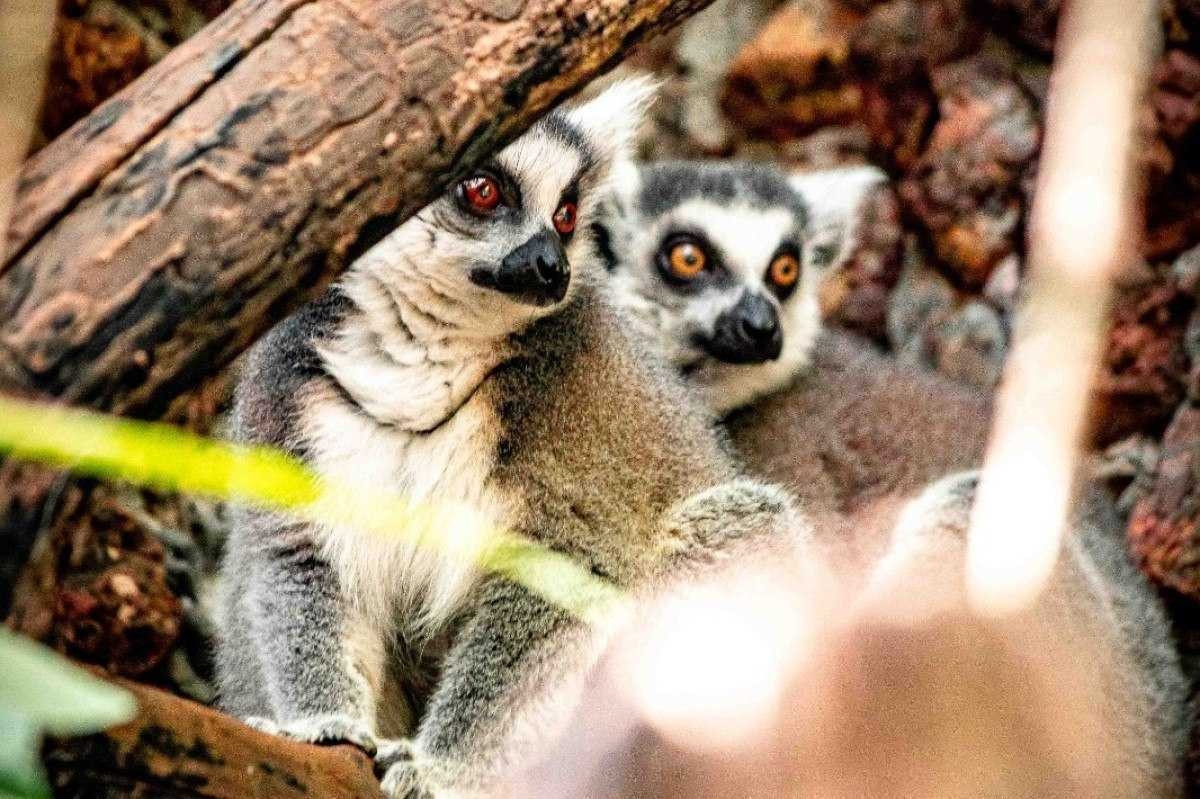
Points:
x=1098 y=608
x=581 y=441
x=665 y=185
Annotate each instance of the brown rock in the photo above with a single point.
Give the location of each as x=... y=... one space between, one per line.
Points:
x=856 y=296
x=90 y=62
x=1141 y=381
x=966 y=187
x=899 y=119
x=98 y=590
x=795 y=76
x=1173 y=132
x=1163 y=529
x=902 y=39
x=1029 y=22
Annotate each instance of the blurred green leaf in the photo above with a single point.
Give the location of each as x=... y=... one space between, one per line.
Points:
x=42 y=692
x=165 y=457
x=20 y=769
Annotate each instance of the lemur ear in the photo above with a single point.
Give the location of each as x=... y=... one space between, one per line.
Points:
x=834 y=199
x=610 y=120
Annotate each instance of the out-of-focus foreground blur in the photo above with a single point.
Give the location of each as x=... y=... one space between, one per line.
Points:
x=753 y=687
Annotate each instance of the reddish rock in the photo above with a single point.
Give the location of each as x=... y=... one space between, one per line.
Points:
x=1172 y=155
x=899 y=119
x=1163 y=529
x=1141 y=381
x=100 y=46
x=966 y=188
x=98 y=590
x=1031 y=23
x=893 y=44
x=856 y=296
x=89 y=63
x=796 y=75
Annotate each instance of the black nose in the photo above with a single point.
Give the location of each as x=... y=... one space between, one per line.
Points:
x=746 y=333
x=537 y=272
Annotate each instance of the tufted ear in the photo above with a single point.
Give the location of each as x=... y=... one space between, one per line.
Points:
x=834 y=199
x=610 y=120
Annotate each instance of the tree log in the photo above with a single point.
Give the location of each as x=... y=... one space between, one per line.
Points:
x=165 y=232
x=176 y=748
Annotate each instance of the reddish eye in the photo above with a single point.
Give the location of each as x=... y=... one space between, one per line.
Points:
x=481 y=192
x=564 y=219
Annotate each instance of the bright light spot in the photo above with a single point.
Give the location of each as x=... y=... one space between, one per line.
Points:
x=1013 y=546
x=710 y=669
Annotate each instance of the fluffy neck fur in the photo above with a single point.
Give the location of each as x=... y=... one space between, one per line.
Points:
x=410 y=355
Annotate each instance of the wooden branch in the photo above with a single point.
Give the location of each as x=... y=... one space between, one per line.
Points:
x=177 y=748
x=160 y=236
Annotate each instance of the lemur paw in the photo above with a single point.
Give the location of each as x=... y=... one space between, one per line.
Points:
x=332 y=728
x=391 y=752
x=403 y=780
x=711 y=520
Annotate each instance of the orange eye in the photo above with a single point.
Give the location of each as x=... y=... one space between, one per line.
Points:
x=481 y=192
x=784 y=271
x=564 y=219
x=686 y=260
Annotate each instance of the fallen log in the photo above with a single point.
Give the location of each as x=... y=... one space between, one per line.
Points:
x=174 y=748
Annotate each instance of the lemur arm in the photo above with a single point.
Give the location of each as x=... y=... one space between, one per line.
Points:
x=315 y=652
x=518 y=662
x=513 y=669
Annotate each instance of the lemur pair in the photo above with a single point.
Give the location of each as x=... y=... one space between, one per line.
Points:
x=480 y=354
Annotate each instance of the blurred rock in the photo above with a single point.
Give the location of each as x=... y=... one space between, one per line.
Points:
x=100 y=46
x=1141 y=379
x=889 y=45
x=966 y=187
x=970 y=345
x=856 y=296
x=96 y=587
x=1172 y=155
x=1004 y=286
x=930 y=324
x=899 y=119
x=1181 y=22
x=922 y=299
x=1031 y=23
x=829 y=147
x=1163 y=530
x=795 y=76
x=1127 y=468
x=707 y=44
x=90 y=61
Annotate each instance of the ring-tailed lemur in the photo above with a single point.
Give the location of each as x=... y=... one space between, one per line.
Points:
x=720 y=263
x=473 y=357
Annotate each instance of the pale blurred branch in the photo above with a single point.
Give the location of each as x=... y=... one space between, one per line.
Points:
x=26 y=29
x=1084 y=229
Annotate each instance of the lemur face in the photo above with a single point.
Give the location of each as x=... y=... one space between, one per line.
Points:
x=506 y=243
x=721 y=263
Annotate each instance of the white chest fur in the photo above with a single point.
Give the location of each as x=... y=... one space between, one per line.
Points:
x=397 y=576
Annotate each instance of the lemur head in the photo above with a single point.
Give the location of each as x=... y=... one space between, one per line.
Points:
x=507 y=242
x=721 y=261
